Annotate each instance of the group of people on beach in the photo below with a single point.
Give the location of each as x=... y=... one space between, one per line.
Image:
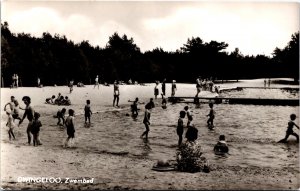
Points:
x=60 y=100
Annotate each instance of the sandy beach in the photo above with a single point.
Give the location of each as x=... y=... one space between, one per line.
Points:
x=111 y=153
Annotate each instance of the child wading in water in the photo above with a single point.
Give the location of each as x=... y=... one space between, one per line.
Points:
x=179 y=129
x=70 y=129
x=35 y=129
x=156 y=91
x=134 y=109
x=289 y=130
x=221 y=147
x=146 y=120
x=211 y=115
x=87 y=111
x=10 y=124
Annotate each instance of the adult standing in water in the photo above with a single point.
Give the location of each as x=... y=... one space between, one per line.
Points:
x=173 y=88
x=96 y=82
x=29 y=113
x=163 y=88
x=116 y=94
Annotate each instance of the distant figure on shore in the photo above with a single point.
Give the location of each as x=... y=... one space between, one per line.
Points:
x=70 y=124
x=211 y=116
x=163 y=88
x=198 y=86
x=10 y=125
x=35 y=129
x=179 y=129
x=71 y=85
x=269 y=82
x=265 y=82
x=210 y=84
x=156 y=91
x=17 y=80
x=173 y=88
x=116 y=94
x=50 y=100
x=289 y=130
x=96 y=82
x=61 y=116
x=146 y=120
x=29 y=113
x=38 y=82
x=221 y=147
x=87 y=111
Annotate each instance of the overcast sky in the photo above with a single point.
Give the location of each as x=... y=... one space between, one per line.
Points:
x=253 y=27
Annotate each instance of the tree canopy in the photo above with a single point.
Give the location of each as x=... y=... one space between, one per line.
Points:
x=56 y=60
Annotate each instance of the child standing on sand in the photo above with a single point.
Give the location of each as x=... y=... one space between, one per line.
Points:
x=70 y=129
x=211 y=115
x=289 y=130
x=87 y=111
x=10 y=124
x=35 y=129
x=179 y=129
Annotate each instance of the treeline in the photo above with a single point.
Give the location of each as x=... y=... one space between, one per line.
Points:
x=57 y=60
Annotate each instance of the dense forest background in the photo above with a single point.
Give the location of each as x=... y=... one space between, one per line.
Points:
x=57 y=60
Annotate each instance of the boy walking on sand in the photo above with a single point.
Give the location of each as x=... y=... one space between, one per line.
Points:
x=146 y=120
x=70 y=129
x=289 y=130
x=87 y=111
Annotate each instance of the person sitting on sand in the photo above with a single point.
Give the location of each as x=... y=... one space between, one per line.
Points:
x=61 y=116
x=211 y=115
x=289 y=130
x=58 y=99
x=221 y=147
x=67 y=101
x=70 y=124
x=87 y=111
x=50 y=100
x=35 y=129
x=189 y=156
x=146 y=120
x=179 y=129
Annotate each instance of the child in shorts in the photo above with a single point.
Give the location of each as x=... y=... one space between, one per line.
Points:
x=10 y=124
x=70 y=128
x=211 y=115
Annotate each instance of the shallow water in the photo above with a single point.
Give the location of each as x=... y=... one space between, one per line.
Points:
x=251 y=131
